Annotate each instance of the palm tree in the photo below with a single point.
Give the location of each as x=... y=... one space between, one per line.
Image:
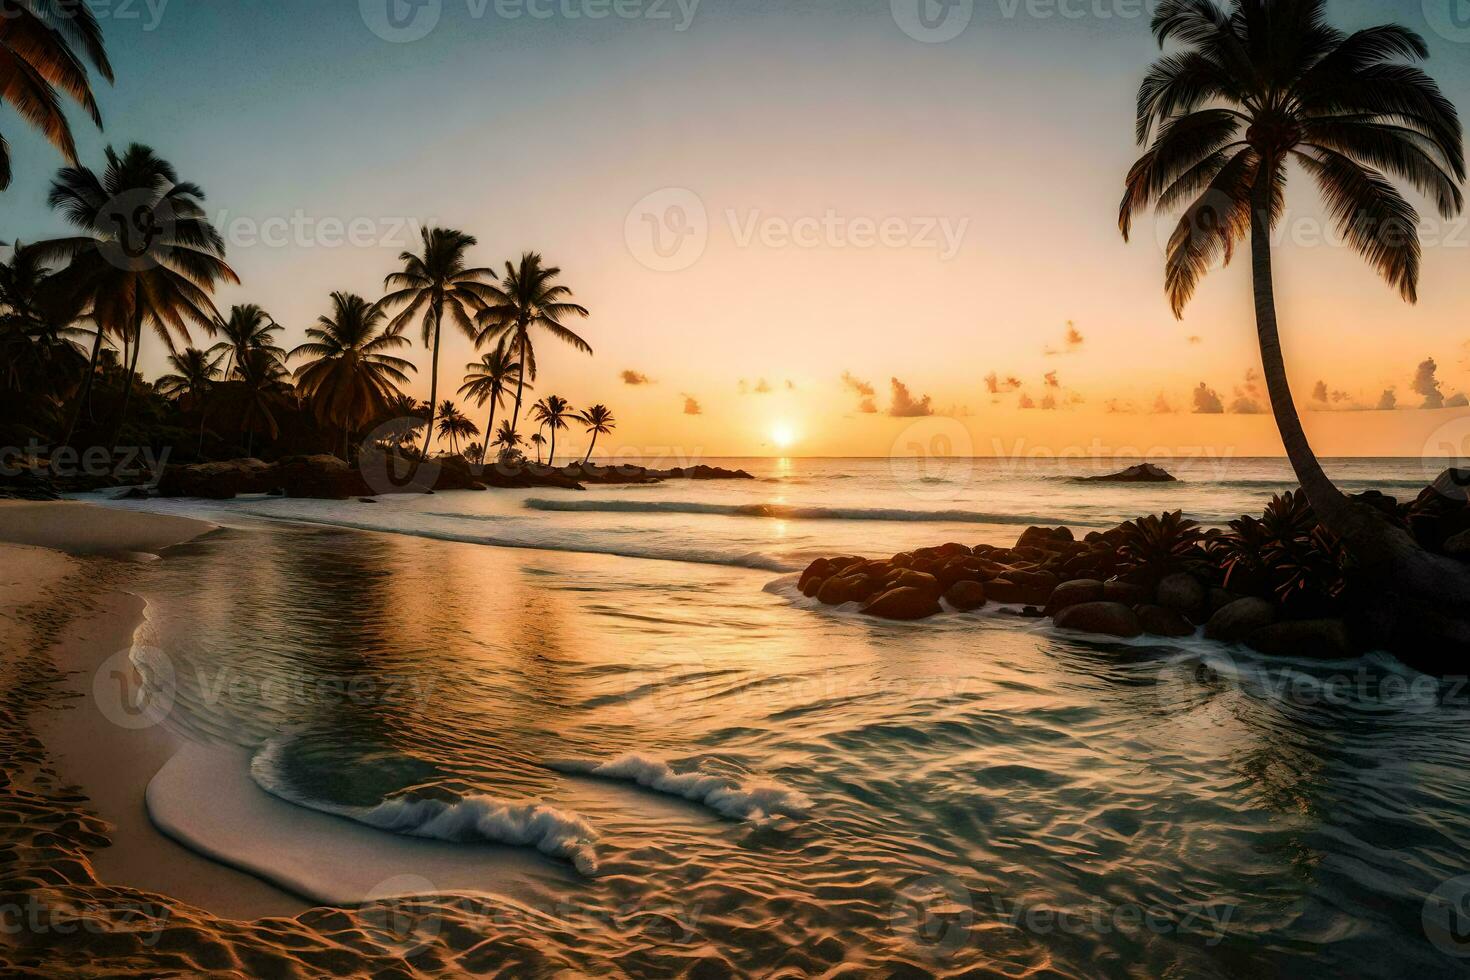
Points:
x=599 y=421
x=192 y=383
x=36 y=328
x=248 y=328
x=39 y=42
x=552 y=412
x=538 y=440
x=263 y=389
x=1250 y=89
x=487 y=380
x=146 y=255
x=401 y=419
x=475 y=453
x=454 y=426
x=508 y=440
x=350 y=379
x=434 y=285
x=526 y=299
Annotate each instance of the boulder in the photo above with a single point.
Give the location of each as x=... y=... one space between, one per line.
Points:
x=1239 y=619
x=1128 y=593
x=1218 y=599
x=1458 y=545
x=1162 y=621
x=1108 y=618
x=1005 y=590
x=320 y=477
x=1074 y=593
x=966 y=596
x=840 y=589
x=1321 y=639
x=218 y=481
x=27 y=484
x=1182 y=593
x=903 y=604
x=908 y=578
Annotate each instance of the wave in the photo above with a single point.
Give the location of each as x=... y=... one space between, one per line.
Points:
x=755 y=801
x=469 y=819
x=787 y=512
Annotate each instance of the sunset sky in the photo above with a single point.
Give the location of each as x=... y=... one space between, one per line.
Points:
x=875 y=207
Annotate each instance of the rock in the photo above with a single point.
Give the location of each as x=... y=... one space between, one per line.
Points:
x=951 y=550
x=1182 y=593
x=320 y=477
x=27 y=484
x=841 y=589
x=1321 y=639
x=1458 y=545
x=1009 y=592
x=1142 y=473
x=218 y=481
x=132 y=493
x=1108 y=618
x=1218 y=599
x=908 y=578
x=1128 y=593
x=1045 y=538
x=1452 y=484
x=903 y=604
x=1242 y=617
x=1162 y=621
x=1074 y=593
x=966 y=596
x=367 y=500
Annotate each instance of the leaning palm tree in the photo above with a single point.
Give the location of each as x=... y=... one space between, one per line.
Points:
x=488 y=380
x=508 y=441
x=538 y=440
x=528 y=299
x=350 y=378
x=195 y=375
x=40 y=43
x=432 y=286
x=552 y=412
x=454 y=426
x=599 y=421
x=247 y=328
x=1248 y=90
x=145 y=256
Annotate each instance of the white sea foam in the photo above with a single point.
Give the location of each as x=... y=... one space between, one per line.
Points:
x=756 y=800
x=785 y=512
x=470 y=819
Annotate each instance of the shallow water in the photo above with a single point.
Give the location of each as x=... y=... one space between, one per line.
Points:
x=979 y=792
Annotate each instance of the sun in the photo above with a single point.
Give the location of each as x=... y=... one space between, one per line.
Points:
x=783 y=436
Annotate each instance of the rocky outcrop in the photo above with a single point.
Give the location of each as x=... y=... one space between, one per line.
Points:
x=1239 y=619
x=1318 y=639
x=27 y=484
x=1106 y=618
x=903 y=603
x=1162 y=621
x=966 y=596
x=1142 y=473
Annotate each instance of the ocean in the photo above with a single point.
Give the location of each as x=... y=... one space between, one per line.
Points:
x=605 y=724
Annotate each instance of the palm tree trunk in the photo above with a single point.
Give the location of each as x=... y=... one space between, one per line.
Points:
x=551 y=456
x=591 y=447
x=86 y=394
x=132 y=369
x=203 y=414
x=433 y=392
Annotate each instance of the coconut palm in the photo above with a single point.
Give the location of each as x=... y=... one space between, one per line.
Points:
x=146 y=255
x=552 y=412
x=247 y=328
x=38 y=351
x=196 y=372
x=475 y=453
x=528 y=299
x=454 y=426
x=599 y=421
x=262 y=390
x=401 y=420
x=350 y=378
x=488 y=380
x=432 y=286
x=40 y=44
x=508 y=441
x=538 y=440
x=1249 y=89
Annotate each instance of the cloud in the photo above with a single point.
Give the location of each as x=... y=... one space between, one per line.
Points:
x=1247 y=400
x=762 y=388
x=1319 y=392
x=996 y=386
x=1118 y=406
x=1072 y=342
x=1162 y=406
x=904 y=406
x=1026 y=401
x=691 y=406
x=1207 y=401
x=1388 y=401
x=1460 y=400
x=790 y=385
x=635 y=378
x=1196 y=340
x=1049 y=403
x=1051 y=380
x=867 y=403
x=1426 y=384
